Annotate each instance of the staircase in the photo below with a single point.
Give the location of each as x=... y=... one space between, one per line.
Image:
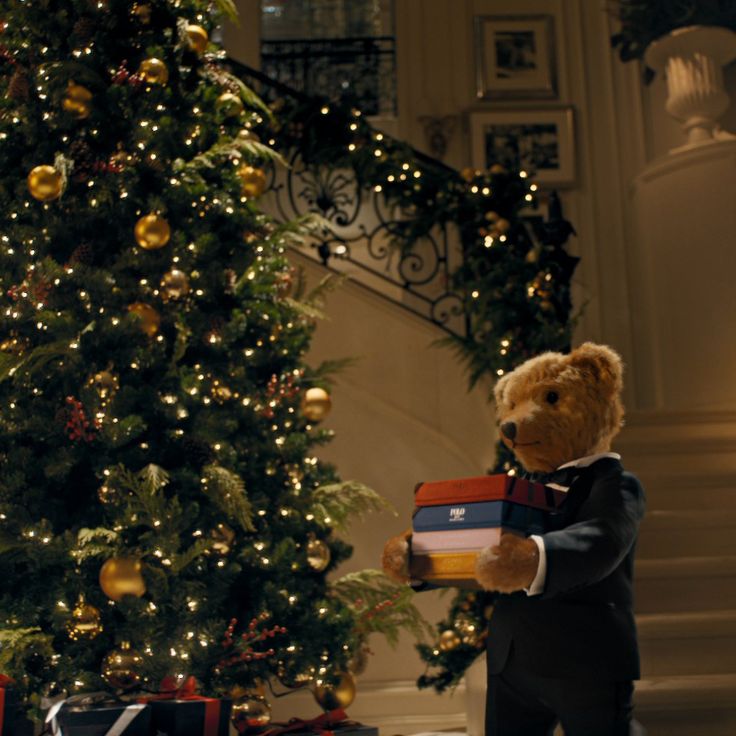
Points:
x=685 y=582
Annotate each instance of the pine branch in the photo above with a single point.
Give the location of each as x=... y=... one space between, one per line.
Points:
x=316 y=297
x=327 y=369
x=307 y=310
x=229 y=10
x=335 y=504
x=227 y=492
x=184 y=559
x=381 y=605
x=94 y=543
x=32 y=361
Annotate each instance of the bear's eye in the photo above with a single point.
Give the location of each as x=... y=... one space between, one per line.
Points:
x=552 y=397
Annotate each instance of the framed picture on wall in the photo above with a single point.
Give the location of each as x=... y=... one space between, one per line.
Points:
x=540 y=141
x=515 y=57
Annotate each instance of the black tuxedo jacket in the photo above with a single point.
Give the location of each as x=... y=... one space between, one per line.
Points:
x=582 y=625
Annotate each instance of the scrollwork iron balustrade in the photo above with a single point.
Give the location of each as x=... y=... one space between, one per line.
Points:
x=361 y=70
x=360 y=233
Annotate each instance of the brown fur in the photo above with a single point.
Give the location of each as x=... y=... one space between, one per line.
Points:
x=584 y=420
x=395 y=559
x=586 y=417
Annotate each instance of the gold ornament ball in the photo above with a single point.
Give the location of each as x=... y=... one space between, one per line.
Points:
x=468 y=630
x=121 y=667
x=153 y=71
x=85 y=622
x=340 y=696
x=175 y=284
x=121 y=576
x=221 y=540
x=502 y=225
x=198 y=38
x=221 y=393
x=77 y=100
x=250 y=712
x=105 y=383
x=253 y=180
x=316 y=404
x=108 y=494
x=498 y=169
x=449 y=640
x=152 y=232
x=318 y=555
x=150 y=319
x=45 y=183
x=469 y=173
x=230 y=104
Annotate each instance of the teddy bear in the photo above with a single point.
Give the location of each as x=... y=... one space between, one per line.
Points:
x=561 y=645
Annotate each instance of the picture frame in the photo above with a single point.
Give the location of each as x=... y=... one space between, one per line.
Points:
x=540 y=141
x=515 y=57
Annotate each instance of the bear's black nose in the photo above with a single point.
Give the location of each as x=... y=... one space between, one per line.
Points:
x=508 y=430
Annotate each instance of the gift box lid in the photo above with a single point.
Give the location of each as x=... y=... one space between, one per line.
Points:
x=499 y=487
x=480 y=515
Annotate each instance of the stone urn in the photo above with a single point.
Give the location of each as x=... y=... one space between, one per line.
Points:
x=692 y=60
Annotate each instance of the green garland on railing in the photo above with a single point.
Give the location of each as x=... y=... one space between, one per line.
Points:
x=515 y=287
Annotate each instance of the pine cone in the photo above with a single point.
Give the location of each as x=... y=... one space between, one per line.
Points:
x=198 y=451
x=19 y=87
x=83 y=254
x=84 y=161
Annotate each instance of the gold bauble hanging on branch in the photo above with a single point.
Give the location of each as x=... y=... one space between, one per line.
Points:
x=85 y=622
x=316 y=404
x=174 y=284
x=121 y=576
x=230 y=105
x=152 y=232
x=253 y=180
x=221 y=540
x=340 y=696
x=45 y=183
x=77 y=100
x=105 y=383
x=449 y=639
x=250 y=712
x=150 y=319
x=121 y=667
x=198 y=38
x=318 y=555
x=153 y=71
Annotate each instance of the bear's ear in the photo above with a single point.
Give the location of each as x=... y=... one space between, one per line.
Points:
x=600 y=363
x=499 y=389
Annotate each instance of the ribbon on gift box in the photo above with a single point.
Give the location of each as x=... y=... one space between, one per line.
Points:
x=4 y=682
x=188 y=691
x=323 y=724
x=88 y=700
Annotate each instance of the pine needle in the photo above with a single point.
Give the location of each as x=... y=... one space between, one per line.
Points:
x=336 y=504
x=227 y=491
x=382 y=606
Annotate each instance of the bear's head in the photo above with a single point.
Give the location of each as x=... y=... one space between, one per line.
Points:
x=555 y=408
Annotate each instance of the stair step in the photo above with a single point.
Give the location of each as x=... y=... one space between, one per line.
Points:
x=687 y=705
x=714 y=491
x=689 y=643
x=684 y=532
x=685 y=584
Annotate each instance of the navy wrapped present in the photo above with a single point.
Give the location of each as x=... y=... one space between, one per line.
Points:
x=181 y=712
x=12 y=720
x=99 y=714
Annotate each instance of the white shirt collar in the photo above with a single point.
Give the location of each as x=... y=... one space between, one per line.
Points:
x=583 y=462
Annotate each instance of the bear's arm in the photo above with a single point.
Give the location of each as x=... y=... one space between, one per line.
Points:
x=593 y=546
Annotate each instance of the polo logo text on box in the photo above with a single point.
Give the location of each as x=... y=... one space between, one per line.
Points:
x=457 y=513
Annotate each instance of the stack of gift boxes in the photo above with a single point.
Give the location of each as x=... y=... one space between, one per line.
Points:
x=455 y=519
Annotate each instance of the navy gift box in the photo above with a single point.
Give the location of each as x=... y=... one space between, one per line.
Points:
x=195 y=717
x=93 y=720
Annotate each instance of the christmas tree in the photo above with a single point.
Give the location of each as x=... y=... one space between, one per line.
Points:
x=162 y=512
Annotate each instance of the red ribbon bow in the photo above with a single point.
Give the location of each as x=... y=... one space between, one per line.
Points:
x=322 y=724
x=188 y=691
